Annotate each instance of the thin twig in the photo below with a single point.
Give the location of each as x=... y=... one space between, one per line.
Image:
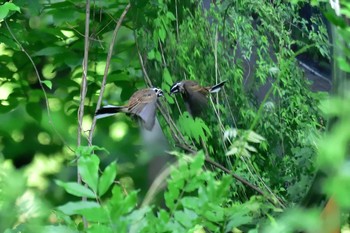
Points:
x=108 y=61
x=83 y=88
x=240 y=179
x=315 y=72
x=243 y=181
x=81 y=34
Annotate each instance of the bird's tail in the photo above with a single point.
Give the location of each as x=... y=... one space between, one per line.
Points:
x=216 y=88
x=108 y=110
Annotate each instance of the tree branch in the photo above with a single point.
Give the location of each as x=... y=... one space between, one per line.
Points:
x=83 y=87
x=108 y=61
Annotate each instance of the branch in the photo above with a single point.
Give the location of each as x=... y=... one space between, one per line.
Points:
x=108 y=61
x=240 y=179
x=243 y=181
x=83 y=87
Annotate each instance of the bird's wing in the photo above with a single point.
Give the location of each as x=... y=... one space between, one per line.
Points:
x=143 y=104
x=195 y=101
x=148 y=115
x=139 y=99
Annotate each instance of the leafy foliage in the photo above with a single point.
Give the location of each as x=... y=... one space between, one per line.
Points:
x=264 y=129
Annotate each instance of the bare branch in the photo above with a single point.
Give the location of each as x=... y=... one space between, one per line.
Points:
x=83 y=88
x=108 y=61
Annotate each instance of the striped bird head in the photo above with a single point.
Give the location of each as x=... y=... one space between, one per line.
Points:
x=176 y=88
x=158 y=91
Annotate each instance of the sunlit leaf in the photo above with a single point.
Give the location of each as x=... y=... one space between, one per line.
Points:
x=59 y=229
x=47 y=83
x=254 y=137
x=107 y=178
x=88 y=169
x=6 y=8
x=76 y=189
x=72 y=208
x=95 y=214
x=97 y=228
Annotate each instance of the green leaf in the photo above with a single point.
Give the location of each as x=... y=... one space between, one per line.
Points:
x=198 y=163
x=343 y=64
x=186 y=217
x=254 y=137
x=161 y=34
x=107 y=178
x=72 y=208
x=192 y=203
x=50 y=51
x=170 y=16
x=59 y=229
x=138 y=218
x=76 y=189
x=6 y=8
x=151 y=55
x=47 y=83
x=34 y=110
x=87 y=150
x=95 y=214
x=88 y=169
x=194 y=128
x=98 y=228
x=167 y=77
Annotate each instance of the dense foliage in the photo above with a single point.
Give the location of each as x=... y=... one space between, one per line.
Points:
x=245 y=165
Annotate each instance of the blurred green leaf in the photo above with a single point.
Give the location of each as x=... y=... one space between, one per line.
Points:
x=50 y=51
x=59 y=229
x=107 y=178
x=167 y=77
x=6 y=8
x=98 y=228
x=343 y=64
x=88 y=169
x=95 y=214
x=76 y=189
x=194 y=128
x=87 y=150
x=72 y=208
x=254 y=137
x=47 y=83
x=34 y=110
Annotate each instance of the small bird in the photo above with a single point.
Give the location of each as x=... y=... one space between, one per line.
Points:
x=142 y=103
x=194 y=95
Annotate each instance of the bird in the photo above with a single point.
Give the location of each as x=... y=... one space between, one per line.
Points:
x=195 y=95
x=142 y=104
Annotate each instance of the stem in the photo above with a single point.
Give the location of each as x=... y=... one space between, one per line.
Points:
x=108 y=62
x=83 y=89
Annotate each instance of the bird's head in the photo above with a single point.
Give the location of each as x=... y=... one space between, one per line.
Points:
x=176 y=88
x=158 y=91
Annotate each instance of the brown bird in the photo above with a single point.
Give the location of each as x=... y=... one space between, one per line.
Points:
x=142 y=104
x=194 y=95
